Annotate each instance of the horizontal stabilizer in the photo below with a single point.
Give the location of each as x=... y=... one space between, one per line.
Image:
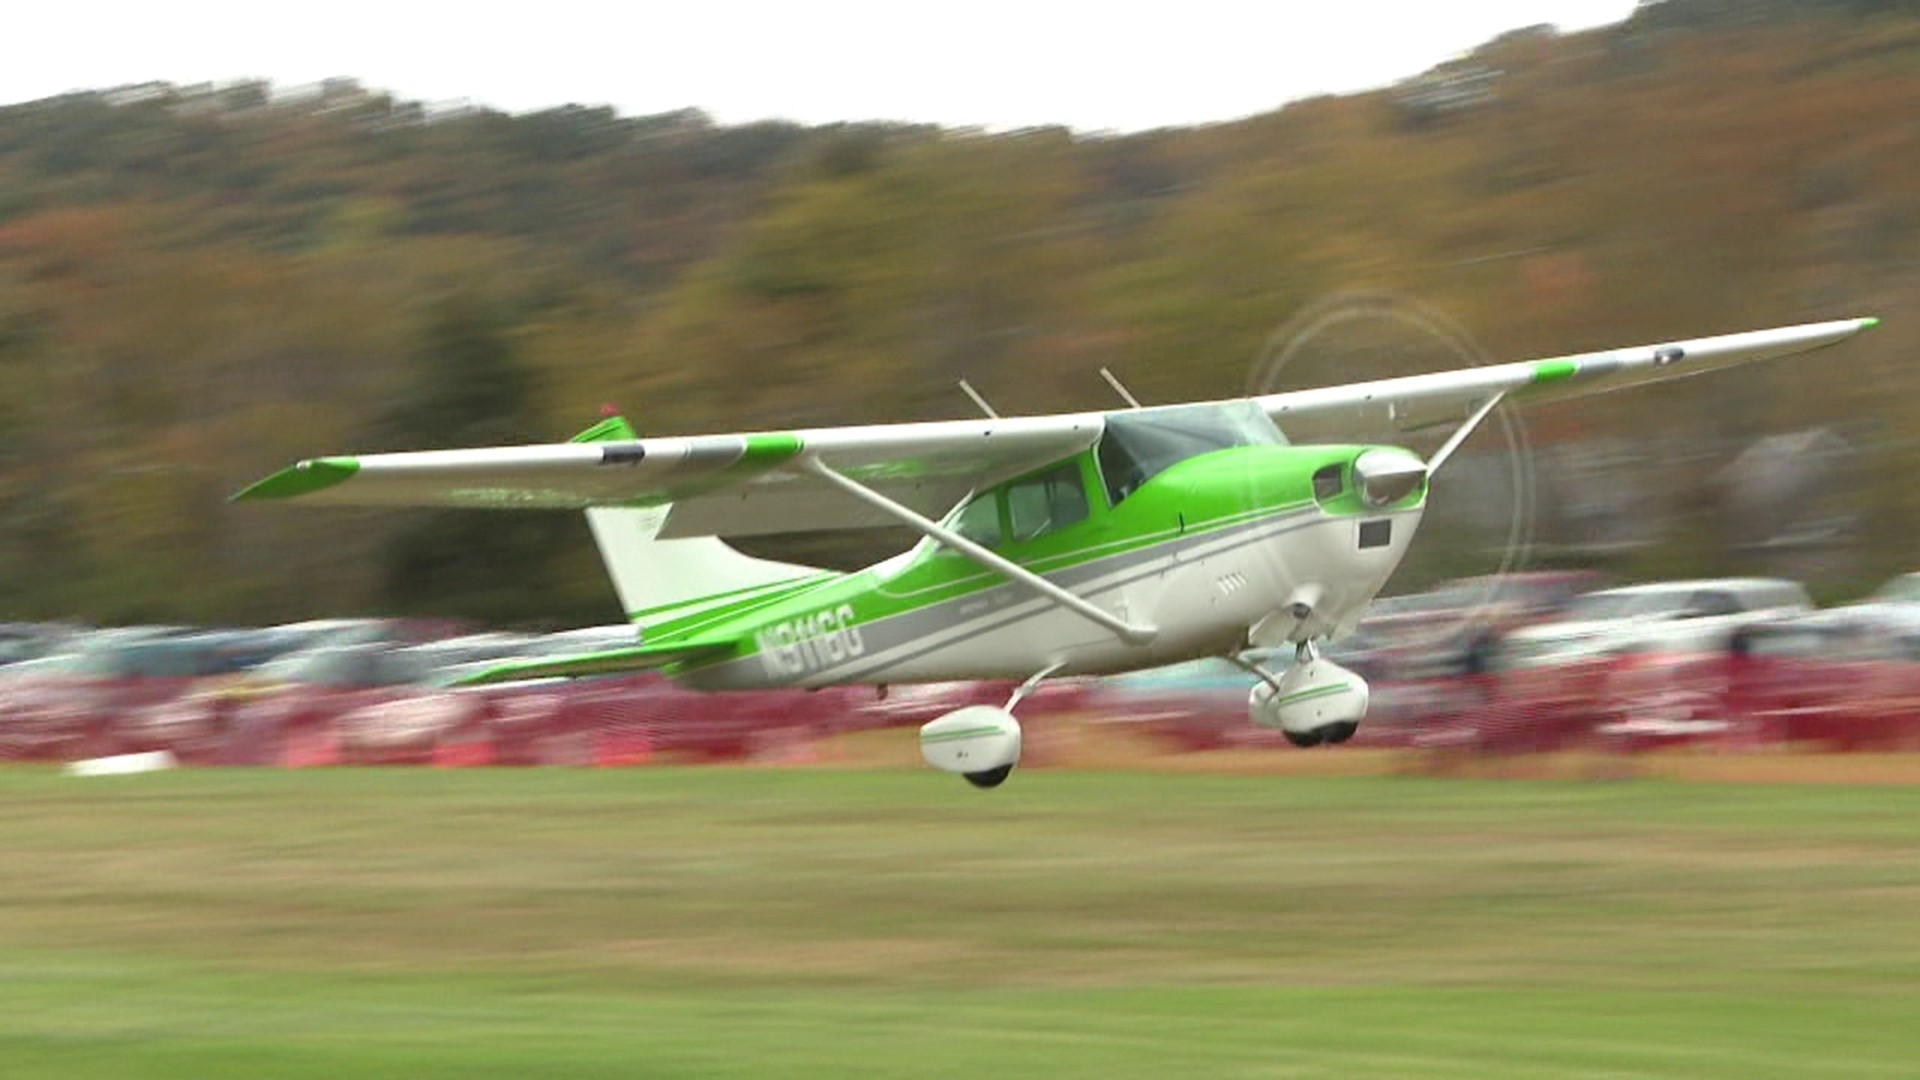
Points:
x=603 y=662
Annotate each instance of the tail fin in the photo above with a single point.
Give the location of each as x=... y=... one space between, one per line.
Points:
x=659 y=581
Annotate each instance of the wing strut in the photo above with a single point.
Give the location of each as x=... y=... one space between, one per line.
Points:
x=1460 y=434
x=1132 y=633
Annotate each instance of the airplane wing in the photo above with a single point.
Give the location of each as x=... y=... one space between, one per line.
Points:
x=756 y=483
x=1418 y=401
x=716 y=485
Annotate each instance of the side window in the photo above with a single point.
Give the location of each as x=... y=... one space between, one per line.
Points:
x=979 y=520
x=1041 y=504
x=1709 y=602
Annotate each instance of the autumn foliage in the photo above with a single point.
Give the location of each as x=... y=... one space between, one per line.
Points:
x=199 y=285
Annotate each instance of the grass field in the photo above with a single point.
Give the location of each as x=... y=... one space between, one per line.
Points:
x=673 y=922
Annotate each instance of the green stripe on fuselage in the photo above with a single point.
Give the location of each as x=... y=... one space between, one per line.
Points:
x=716 y=617
x=1202 y=495
x=734 y=596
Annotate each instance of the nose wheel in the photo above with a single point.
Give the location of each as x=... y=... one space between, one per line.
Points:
x=1313 y=702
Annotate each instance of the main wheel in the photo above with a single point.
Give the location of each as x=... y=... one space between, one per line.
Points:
x=1304 y=738
x=1335 y=734
x=989 y=778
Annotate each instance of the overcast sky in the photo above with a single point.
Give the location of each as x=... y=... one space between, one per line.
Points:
x=985 y=62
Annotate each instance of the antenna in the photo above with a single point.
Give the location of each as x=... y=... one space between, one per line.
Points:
x=1125 y=394
x=978 y=400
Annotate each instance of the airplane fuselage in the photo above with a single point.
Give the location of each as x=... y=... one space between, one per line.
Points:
x=1206 y=552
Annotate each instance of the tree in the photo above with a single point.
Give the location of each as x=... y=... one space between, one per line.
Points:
x=471 y=390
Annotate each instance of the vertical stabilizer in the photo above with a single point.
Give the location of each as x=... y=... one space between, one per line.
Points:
x=664 y=580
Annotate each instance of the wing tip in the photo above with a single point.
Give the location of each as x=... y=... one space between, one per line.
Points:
x=1869 y=322
x=303 y=478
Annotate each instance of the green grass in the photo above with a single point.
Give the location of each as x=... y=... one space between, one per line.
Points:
x=682 y=922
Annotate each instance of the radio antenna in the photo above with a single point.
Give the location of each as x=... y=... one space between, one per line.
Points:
x=1118 y=388
x=978 y=400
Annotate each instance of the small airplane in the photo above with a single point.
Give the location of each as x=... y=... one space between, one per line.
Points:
x=1075 y=544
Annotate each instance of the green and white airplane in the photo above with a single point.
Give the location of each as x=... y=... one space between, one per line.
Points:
x=1076 y=544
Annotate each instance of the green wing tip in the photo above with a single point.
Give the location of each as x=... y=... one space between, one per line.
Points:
x=303 y=479
x=1870 y=323
x=612 y=429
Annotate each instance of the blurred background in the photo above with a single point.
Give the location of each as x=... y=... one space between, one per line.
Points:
x=202 y=283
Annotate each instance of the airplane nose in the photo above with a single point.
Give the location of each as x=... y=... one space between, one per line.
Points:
x=1386 y=475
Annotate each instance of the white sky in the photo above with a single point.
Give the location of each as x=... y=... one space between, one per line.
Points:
x=995 y=63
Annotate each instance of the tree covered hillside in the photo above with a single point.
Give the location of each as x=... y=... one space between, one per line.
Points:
x=199 y=285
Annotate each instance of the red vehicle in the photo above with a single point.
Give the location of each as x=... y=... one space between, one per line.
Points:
x=1845 y=679
x=90 y=700
x=300 y=696
x=371 y=702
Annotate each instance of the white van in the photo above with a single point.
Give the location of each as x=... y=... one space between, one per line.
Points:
x=1669 y=616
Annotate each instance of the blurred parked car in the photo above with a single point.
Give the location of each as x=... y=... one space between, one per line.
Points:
x=1669 y=616
x=87 y=700
x=248 y=719
x=31 y=641
x=1455 y=628
x=1847 y=677
x=1202 y=704
x=1903 y=589
x=587 y=639
x=316 y=633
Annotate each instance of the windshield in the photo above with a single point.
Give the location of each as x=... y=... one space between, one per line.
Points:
x=1144 y=443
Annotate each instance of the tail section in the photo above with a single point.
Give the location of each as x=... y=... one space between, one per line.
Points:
x=661 y=581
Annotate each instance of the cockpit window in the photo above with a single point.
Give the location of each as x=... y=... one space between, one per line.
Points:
x=1141 y=444
x=1040 y=504
x=979 y=520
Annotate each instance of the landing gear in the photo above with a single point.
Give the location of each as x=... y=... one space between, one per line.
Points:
x=1330 y=734
x=979 y=742
x=1314 y=701
x=991 y=778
